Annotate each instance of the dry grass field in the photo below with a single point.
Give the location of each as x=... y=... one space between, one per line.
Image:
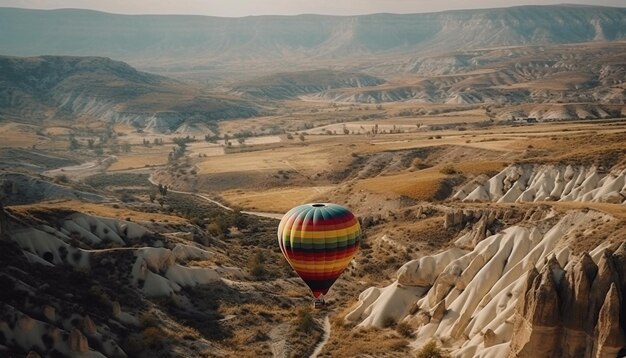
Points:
x=299 y=158
x=141 y=157
x=421 y=185
x=15 y=135
x=101 y=210
x=305 y=162
x=273 y=200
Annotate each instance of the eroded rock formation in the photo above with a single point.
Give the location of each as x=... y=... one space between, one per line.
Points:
x=572 y=315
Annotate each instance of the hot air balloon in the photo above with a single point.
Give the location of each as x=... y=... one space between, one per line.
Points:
x=319 y=241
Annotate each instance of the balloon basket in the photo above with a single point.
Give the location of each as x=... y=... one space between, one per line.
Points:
x=319 y=303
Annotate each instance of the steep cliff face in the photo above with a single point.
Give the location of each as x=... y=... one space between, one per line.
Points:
x=571 y=315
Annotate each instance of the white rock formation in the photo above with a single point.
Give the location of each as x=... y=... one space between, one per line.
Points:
x=156 y=269
x=531 y=183
x=467 y=300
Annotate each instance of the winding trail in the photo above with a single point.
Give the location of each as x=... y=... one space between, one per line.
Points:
x=325 y=337
x=83 y=170
x=204 y=197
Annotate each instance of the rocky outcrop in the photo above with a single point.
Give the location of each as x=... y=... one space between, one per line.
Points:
x=78 y=341
x=116 y=310
x=89 y=327
x=578 y=316
x=609 y=335
x=575 y=297
x=537 y=331
x=50 y=313
x=476 y=225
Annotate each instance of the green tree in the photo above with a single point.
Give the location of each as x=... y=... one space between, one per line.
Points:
x=126 y=147
x=74 y=144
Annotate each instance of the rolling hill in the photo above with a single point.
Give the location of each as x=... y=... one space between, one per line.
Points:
x=293 y=84
x=40 y=88
x=591 y=73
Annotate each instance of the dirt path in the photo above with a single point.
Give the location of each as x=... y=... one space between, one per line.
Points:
x=81 y=171
x=204 y=197
x=278 y=341
x=325 y=337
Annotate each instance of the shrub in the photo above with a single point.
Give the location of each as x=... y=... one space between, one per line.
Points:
x=258 y=271
x=127 y=198
x=404 y=330
x=430 y=350
x=153 y=337
x=62 y=178
x=448 y=169
x=214 y=229
x=305 y=321
x=389 y=322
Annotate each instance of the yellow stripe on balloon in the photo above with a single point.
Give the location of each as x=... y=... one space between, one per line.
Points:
x=317 y=267
x=325 y=235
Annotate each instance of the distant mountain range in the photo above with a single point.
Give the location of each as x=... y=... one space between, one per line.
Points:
x=229 y=46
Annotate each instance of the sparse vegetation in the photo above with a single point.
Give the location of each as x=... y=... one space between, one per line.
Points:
x=305 y=321
x=448 y=169
x=430 y=350
x=61 y=179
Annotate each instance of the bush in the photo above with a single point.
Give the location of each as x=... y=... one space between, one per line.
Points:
x=404 y=330
x=127 y=198
x=448 y=169
x=153 y=337
x=389 y=322
x=305 y=321
x=214 y=229
x=61 y=179
x=258 y=271
x=430 y=350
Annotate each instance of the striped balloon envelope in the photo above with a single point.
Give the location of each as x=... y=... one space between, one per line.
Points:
x=319 y=241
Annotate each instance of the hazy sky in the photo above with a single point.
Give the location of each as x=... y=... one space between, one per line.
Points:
x=281 y=7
